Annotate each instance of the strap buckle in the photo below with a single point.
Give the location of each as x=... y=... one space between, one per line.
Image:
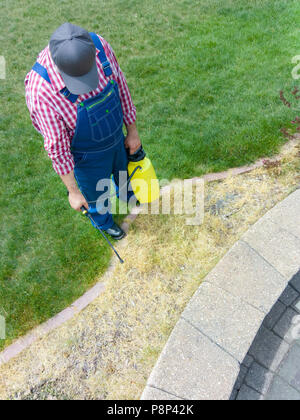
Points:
x=68 y=95
x=66 y=92
x=107 y=68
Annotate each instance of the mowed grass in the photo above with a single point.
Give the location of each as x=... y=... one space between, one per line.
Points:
x=205 y=77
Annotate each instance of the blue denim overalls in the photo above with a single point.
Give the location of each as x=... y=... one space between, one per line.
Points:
x=98 y=143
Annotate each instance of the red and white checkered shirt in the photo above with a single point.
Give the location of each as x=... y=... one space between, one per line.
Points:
x=55 y=117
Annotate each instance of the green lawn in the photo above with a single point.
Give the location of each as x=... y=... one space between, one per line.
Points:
x=205 y=76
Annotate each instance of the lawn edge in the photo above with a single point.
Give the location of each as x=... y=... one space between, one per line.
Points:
x=22 y=343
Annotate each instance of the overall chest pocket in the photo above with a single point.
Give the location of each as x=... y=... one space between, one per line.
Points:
x=105 y=117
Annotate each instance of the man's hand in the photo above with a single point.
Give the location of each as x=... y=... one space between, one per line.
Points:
x=132 y=141
x=77 y=200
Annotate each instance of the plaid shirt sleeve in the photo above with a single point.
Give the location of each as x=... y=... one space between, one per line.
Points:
x=56 y=137
x=129 y=110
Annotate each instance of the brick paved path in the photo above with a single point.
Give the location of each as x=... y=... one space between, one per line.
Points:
x=271 y=370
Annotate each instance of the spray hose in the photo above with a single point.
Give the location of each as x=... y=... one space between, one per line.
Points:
x=129 y=179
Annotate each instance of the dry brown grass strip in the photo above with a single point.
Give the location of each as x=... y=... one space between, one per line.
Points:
x=109 y=349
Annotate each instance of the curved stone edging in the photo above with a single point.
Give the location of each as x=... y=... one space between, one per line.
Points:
x=271 y=369
x=202 y=358
x=24 y=342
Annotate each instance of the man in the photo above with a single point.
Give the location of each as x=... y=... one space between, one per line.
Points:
x=78 y=100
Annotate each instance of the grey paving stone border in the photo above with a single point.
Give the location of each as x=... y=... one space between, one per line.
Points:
x=208 y=348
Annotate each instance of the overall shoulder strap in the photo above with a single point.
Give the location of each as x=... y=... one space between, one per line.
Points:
x=102 y=56
x=70 y=96
x=42 y=71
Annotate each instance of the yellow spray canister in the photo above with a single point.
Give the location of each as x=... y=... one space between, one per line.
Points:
x=144 y=182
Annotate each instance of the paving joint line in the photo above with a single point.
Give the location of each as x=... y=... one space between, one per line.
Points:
x=286 y=382
x=284 y=229
x=211 y=340
x=167 y=392
x=268 y=367
x=270 y=264
x=295 y=290
x=237 y=297
x=253 y=389
x=261 y=393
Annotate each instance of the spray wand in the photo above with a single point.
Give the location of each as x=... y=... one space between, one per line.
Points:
x=87 y=214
